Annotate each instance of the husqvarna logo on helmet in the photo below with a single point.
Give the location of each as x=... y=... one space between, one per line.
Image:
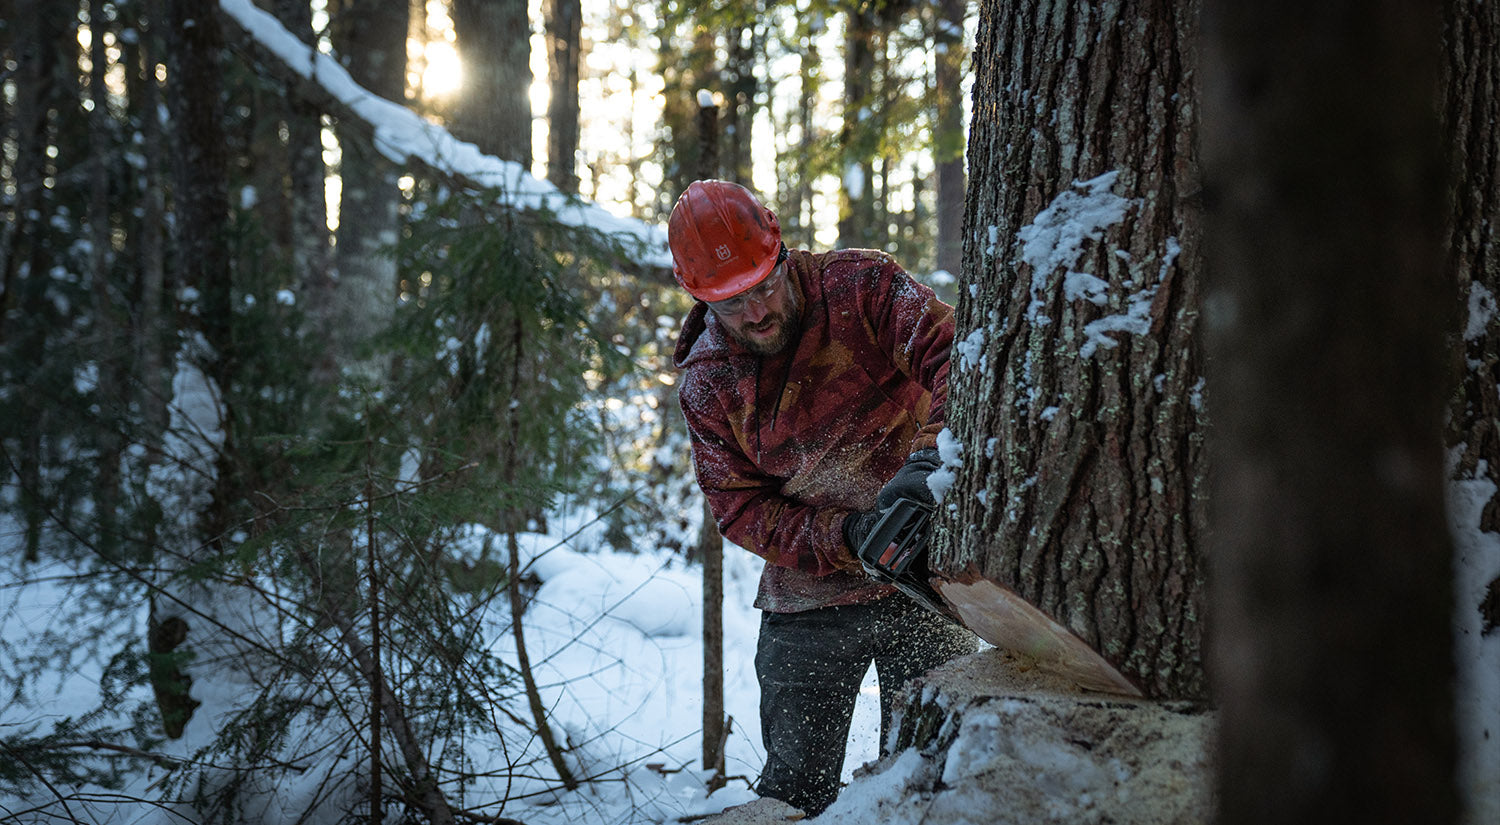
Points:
x=723 y=252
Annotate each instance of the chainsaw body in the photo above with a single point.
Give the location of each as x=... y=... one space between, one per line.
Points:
x=895 y=552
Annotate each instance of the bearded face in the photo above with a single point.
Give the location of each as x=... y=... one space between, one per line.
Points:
x=769 y=317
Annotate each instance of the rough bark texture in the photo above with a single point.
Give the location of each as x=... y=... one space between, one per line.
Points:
x=1472 y=103
x=1472 y=85
x=1332 y=568
x=1081 y=468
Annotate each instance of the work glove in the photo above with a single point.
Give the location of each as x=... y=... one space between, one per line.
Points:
x=857 y=528
x=911 y=481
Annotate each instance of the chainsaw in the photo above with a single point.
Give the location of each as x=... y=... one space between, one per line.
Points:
x=895 y=552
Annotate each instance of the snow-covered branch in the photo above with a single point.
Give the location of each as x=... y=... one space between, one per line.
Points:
x=403 y=136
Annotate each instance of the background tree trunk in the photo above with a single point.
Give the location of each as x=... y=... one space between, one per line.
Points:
x=948 y=150
x=710 y=548
x=1332 y=590
x=742 y=46
x=194 y=46
x=108 y=293
x=564 y=27
x=372 y=34
x=43 y=47
x=1075 y=400
x=494 y=110
x=858 y=137
x=311 y=253
x=152 y=337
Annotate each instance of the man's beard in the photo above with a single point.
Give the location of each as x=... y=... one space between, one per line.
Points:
x=788 y=326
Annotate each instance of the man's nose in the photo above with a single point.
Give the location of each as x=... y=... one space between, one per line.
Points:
x=755 y=311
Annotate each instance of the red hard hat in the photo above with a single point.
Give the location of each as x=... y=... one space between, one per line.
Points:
x=723 y=240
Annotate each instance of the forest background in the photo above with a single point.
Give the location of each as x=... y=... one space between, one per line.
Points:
x=329 y=327
x=314 y=377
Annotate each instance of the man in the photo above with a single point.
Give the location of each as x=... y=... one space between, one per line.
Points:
x=809 y=380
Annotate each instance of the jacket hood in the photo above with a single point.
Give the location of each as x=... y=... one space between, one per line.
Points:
x=695 y=343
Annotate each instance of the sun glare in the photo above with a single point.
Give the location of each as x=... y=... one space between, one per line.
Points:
x=443 y=72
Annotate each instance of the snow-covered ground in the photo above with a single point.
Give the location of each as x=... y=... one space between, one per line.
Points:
x=616 y=642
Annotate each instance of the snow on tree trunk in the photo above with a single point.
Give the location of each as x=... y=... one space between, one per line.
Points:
x=1076 y=416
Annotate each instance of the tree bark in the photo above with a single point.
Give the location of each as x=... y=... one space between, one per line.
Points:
x=710 y=543
x=1332 y=588
x=303 y=190
x=107 y=292
x=42 y=49
x=742 y=46
x=151 y=338
x=200 y=180
x=1075 y=400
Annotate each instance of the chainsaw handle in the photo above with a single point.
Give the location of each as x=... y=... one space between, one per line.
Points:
x=896 y=540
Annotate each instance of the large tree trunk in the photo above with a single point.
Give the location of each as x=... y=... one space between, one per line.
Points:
x=1332 y=588
x=1472 y=82
x=1076 y=397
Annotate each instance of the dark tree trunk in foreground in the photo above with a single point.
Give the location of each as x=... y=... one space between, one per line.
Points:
x=1332 y=568
x=1472 y=97
x=1076 y=398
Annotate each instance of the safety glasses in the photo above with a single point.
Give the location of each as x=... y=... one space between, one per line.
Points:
x=760 y=293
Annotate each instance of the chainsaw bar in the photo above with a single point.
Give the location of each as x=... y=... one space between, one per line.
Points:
x=895 y=552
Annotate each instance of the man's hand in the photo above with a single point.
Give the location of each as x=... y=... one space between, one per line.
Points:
x=857 y=527
x=911 y=481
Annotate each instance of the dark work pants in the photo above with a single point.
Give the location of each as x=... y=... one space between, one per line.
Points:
x=810 y=666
